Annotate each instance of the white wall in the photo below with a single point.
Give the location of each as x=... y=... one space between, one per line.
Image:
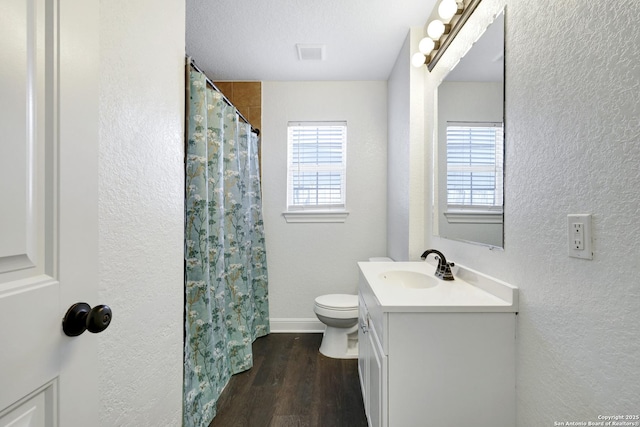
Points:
x=405 y=181
x=308 y=260
x=141 y=211
x=398 y=155
x=572 y=146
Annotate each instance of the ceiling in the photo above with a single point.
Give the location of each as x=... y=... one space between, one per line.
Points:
x=256 y=39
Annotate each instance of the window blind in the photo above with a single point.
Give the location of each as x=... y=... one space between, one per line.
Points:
x=316 y=165
x=475 y=154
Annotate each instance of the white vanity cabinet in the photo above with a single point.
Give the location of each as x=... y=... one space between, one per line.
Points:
x=437 y=366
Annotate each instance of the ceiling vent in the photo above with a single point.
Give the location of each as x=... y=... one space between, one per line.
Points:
x=311 y=52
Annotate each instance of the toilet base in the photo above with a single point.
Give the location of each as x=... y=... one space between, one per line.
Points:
x=340 y=343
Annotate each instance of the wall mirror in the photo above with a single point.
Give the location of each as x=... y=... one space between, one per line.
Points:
x=469 y=150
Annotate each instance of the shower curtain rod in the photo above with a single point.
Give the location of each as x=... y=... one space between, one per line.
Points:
x=192 y=62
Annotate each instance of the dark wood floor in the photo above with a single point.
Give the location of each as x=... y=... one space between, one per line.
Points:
x=292 y=384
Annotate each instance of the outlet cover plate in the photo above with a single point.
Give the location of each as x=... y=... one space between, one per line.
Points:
x=579 y=236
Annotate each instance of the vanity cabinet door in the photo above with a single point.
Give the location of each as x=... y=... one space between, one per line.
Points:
x=364 y=348
x=377 y=387
x=372 y=368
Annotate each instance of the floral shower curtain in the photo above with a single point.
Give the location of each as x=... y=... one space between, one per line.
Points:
x=225 y=262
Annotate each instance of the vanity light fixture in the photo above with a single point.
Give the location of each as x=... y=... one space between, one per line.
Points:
x=427 y=45
x=436 y=29
x=450 y=8
x=441 y=32
x=418 y=59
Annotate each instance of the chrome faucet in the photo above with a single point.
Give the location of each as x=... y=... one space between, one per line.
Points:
x=443 y=271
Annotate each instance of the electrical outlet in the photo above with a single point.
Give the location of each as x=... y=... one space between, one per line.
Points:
x=579 y=233
x=578 y=236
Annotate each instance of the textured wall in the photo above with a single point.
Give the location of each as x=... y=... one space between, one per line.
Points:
x=572 y=146
x=141 y=211
x=307 y=260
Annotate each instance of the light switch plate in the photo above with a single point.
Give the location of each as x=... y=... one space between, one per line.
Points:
x=579 y=236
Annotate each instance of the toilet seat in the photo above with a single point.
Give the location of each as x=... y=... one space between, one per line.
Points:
x=337 y=306
x=338 y=302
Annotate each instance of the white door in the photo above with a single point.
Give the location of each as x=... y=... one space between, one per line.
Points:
x=48 y=209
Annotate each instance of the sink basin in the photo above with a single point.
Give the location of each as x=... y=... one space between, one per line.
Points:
x=409 y=279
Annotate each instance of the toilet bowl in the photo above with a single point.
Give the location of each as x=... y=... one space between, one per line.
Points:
x=339 y=312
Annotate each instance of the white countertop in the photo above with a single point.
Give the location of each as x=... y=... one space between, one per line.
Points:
x=471 y=291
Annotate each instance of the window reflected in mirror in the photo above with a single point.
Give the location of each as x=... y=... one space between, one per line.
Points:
x=474 y=166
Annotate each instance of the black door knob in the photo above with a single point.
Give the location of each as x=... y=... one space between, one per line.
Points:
x=81 y=317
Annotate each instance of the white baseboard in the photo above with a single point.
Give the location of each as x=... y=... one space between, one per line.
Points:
x=309 y=325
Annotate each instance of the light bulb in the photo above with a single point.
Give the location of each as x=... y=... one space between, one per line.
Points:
x=426 y=45
x=418 y=59
x=448 y=9
x=435 y=29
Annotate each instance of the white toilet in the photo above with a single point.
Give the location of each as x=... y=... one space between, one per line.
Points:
x=339 y=312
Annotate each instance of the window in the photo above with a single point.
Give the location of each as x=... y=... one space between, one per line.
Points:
x=316 y=166
x=475 y=154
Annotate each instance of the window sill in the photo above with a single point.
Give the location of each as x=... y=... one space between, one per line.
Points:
x=473 y=217
x=315 y=216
